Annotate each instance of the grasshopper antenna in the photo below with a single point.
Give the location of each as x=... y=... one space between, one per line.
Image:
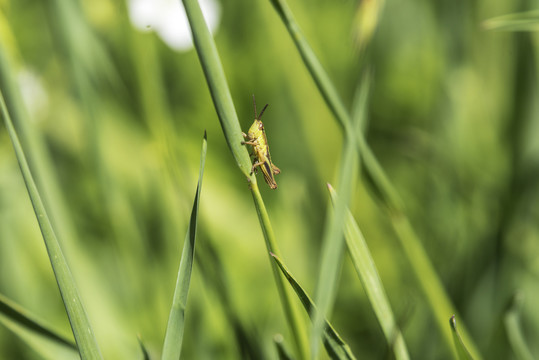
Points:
x=263 y=109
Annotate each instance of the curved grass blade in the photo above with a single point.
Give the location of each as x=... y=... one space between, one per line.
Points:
x=176 y=321
x=145 y=353
x=523 y=21
x=334 y=344
x=222 y=100
x=430 y=283
x=13 y=315
x=368 y=275
x=283 y=354
x=514 y=331
x=80 y=325
x=462 y=352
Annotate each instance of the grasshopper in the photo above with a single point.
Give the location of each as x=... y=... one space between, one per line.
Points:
x=256 y=137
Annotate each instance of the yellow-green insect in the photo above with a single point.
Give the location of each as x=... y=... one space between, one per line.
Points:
x=256 y=136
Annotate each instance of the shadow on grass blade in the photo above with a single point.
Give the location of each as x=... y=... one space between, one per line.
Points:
x=334 y=344
x=80 y=325
x=176 y=321
x=462 y=352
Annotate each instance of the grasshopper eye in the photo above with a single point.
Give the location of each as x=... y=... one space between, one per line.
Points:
x=260 y=126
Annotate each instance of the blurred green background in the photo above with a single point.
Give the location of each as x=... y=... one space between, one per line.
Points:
x=117 y=117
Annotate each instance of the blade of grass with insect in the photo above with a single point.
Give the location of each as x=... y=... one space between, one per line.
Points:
x=462 y=352
x=174 y=335
x=524 y=21
x=368 y=275
x=513 y=329
x=80 y=325
x=16 y=314
x=222 y=100
x=430 y=283
x=336 y=347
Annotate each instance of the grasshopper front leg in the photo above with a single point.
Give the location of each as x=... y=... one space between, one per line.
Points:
x=249 y=141
x=255 y=165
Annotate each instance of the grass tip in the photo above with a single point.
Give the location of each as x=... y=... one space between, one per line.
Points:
x=453 y=322
x=278 y=338
x=205 y=135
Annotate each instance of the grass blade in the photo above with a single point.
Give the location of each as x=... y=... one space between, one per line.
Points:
x=368 y=275
x=80 y=325
x=335 y=345
x=514 y=331
x=524 y=21
x=430 y=283
x=14 y=313
x=145 y=353
x=174 y=335
x=222 y=100
x=462 y=352
x=283 y=354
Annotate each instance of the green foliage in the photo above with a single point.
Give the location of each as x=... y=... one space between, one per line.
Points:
x=176 y=320
x=426 y=123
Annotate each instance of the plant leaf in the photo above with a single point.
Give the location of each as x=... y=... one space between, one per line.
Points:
x=222 y=100
x=335 y=345
x=176 y=321
x=514 y=331
x=41 y=336
x=368 y=275
x=462 y=352
x=80 y=325
x=523 y=21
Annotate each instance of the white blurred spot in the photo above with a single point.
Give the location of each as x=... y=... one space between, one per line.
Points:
x=168 y=19
x=33 y=93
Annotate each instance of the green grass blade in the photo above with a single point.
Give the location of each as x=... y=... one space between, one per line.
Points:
x=10 y=311
x=145 y=353
x=429 y=281
x=368 y=274
x=514 y=331
x=80 y=325
x=222 y=99
x=336 y=347
x=174 y=335
x=283 y=354
x=217 y=84
x=462 y=352
x=524 y=21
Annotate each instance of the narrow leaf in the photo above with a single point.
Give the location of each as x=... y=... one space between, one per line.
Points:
x=176 y=321
x=283 y=354
x=41 y=336
x=80 y=325
x=145 y=353
x=462 y=352
x=430 y=283
x=368 y=275
x=514 y=330
x=335 y=345
x=222 y=100
x=524 y=21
